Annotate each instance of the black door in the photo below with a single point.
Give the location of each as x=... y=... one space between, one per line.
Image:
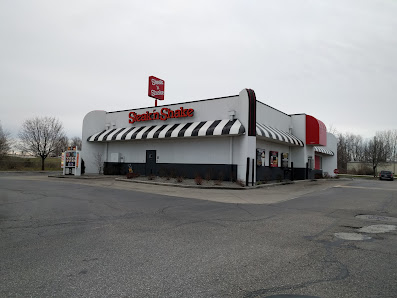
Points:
x=151 y=162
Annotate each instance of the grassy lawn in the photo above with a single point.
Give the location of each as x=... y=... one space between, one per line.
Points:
x=14 y=163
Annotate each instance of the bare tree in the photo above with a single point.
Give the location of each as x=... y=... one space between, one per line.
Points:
x=41 y=136
x=350 y=148
x=76 y=142
x=98 y=160
x=377 y=150
x=380 y=149
x=5 y=141
x=62 y=146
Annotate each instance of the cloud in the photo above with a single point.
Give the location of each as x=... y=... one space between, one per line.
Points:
x=334 y=60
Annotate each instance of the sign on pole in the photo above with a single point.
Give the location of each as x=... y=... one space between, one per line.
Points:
x=156 y=88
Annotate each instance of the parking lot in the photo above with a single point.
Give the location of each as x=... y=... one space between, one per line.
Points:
x=101 y=237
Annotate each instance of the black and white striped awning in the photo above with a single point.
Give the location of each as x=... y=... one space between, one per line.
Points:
x=277 y=135
x=181 y=130
x=323 y=150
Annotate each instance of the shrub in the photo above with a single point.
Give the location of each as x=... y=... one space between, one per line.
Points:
x=279 y=178
x=266 y=178
x=208 y=176
x=179 y=179
x=198 y=179
x=240 y=182
x=132 y=175
x=318 y=176
x=151 y=177
x=232 y=179
x=220 y=179
x=162 y=173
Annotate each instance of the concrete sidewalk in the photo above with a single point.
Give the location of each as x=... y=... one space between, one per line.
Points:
x=264 y=194
x=269 y=193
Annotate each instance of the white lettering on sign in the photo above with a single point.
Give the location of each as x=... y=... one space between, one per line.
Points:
x=154 y=92
x=157 y=82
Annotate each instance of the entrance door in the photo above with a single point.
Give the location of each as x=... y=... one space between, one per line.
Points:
x=150 y=162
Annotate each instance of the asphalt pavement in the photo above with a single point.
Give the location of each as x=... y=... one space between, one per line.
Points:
x=107 y=238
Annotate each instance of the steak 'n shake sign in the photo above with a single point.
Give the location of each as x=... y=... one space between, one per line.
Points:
x=164 y=114
x=156 y=88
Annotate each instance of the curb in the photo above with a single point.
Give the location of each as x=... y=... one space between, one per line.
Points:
x=180 y=185
x=82 y=177
x=29 y=172
x=226 y=187
x=111 y=177
x=203 y=186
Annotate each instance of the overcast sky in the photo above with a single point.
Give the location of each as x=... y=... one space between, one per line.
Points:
x=335 y=60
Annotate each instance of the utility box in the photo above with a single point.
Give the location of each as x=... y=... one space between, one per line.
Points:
x=71 y=162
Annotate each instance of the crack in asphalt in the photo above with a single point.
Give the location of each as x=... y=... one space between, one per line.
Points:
x=328 y=260
x=240 y=207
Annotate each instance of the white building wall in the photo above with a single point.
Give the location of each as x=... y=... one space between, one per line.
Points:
x=300 y=154
x=93 y=122
x=330 y=162
x=209 y=150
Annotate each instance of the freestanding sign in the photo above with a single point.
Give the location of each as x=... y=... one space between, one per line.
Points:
x=156 y=88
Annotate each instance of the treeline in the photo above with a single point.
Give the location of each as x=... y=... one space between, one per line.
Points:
x=381 y=148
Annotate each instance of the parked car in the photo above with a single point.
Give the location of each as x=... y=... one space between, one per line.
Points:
x=386 y=175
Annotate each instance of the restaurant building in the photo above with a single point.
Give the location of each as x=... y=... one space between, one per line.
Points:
x=229 y=138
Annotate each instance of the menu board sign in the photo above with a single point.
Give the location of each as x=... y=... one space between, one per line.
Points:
x=273 y=162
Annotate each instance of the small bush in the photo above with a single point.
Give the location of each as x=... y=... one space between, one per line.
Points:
x=279 y=178
x=162 y=173
x=179 y=179
x=318 y=176
x=132 y=175
x=266 y=178
x=208 y=176
x=151 y=177
x=232 y=179
x=198 y=179
x=173 y=173
x=240 y=182
x=219 y=180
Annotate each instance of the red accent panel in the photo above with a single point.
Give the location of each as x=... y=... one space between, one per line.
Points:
x=316 y=132
x=317 y=162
